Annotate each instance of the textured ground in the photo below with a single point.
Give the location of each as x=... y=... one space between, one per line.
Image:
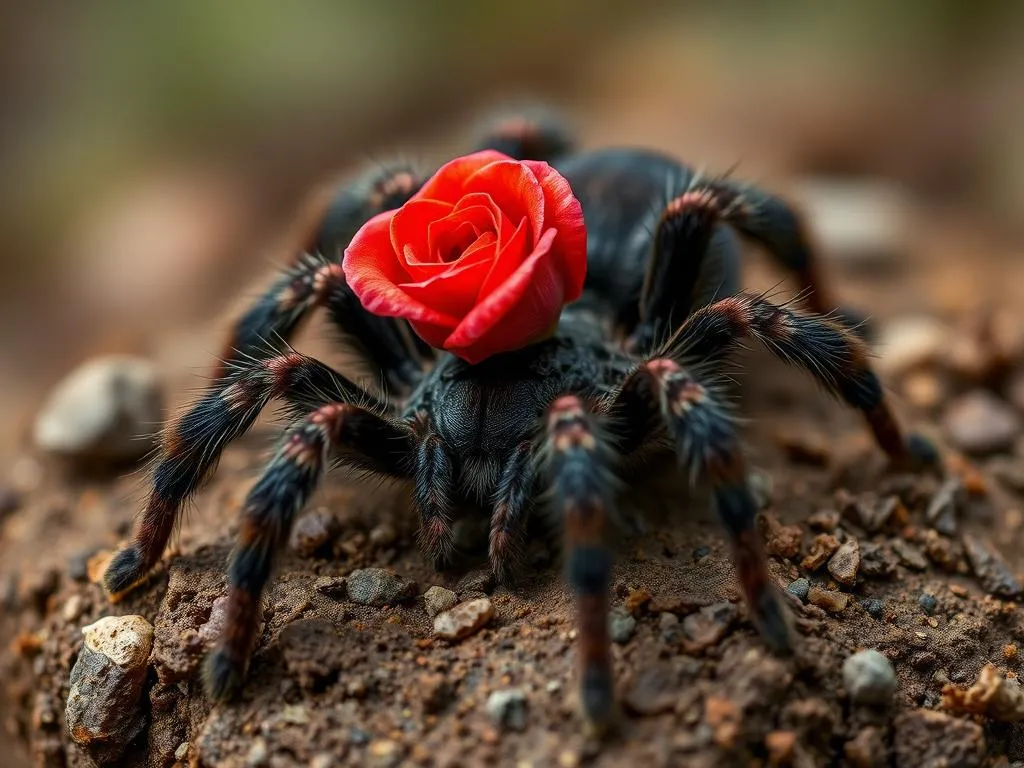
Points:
x=338 y=683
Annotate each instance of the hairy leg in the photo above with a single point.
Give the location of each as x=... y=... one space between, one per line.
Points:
x=512 y=501
x=579 y=468
x=836 y=357
x=192 y=445
x=362 y=438
x=434 y=491
x=673 y=284
x=661 y=394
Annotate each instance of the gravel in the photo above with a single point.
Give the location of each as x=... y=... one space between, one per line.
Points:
x=438 y=599
x=980 y=423
x=869 y=677
x=621 y=626
x=464 y=619
x=928 y=603
x=507 y=709
x=377 y=586
x=799 y=588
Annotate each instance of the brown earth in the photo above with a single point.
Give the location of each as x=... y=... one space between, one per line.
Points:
x=338 y=683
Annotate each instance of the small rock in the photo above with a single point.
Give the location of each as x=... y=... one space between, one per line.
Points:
x=925 y=738
x=181 y=753
x=507 y=709
x=438 y=599
x=866 y=749
x=780 y=746
x=708 y=625
x=104 y=706
x=869 y=677
x=859 y=223
x=383 y=535
x=874 y=607
x=877 y=561
x=979 y=423
x=990 y=568
x=667 y=621
x=377 y=586
x=822 y=548
x=831 y=601
x=943 y=552
x=106 y=410
x=72 y=609
x=845 y=562
x=621 y=626
x=944 y=505
x=928 y=603
x=799 y=588
x=700 y=553
x=780 y=540
x=888 y=511
x=258 y=753
x=825 y=520
x=464 y=619
x=314 y=531
x=475 y=583
x=910 y=555
x=910 y=343
x=385 y=753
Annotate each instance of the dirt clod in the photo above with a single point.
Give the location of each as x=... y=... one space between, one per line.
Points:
x=507 y=708
x=866 y=749
x=992 y=696
x=926 y=738
x=708 y=625
x=314 y=531
x=822 y=548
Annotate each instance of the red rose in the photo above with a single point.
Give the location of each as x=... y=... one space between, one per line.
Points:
x=481 y=260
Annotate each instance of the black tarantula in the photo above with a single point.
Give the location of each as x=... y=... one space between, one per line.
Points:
x=634 y=370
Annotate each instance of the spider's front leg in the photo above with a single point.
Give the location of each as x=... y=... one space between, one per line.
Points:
x=579 y=467
x=662 y=394
x=193 y=444
x=357 y=437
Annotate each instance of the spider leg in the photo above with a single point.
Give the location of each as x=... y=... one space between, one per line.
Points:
x=533 y=134
x=193 y=443
x=360 y=438
x=836 y=357
x=662 y=394
x=688 y=246
x=579 y=464
x=433 y=493
x=775 y=225
x=316 y=279
x=511 y=506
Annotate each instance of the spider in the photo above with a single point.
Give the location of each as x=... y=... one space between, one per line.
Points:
x=635 y=370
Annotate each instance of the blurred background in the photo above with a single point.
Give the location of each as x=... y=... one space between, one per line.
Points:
x=154 y=157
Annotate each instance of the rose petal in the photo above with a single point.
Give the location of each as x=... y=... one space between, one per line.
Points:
x=409 y=229
x=448 y=182
x=537 y=284
x=509 y=256
x=516 y=192
x=372 y=270
x=457 y=230
x=455 y=292
x=564 y=212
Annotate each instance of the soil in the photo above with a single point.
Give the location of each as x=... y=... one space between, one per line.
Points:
x=336 y=683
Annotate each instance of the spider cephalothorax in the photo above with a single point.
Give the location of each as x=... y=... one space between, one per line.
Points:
x=633 y=368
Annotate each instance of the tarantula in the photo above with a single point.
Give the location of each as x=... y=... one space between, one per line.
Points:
x=635 y=369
